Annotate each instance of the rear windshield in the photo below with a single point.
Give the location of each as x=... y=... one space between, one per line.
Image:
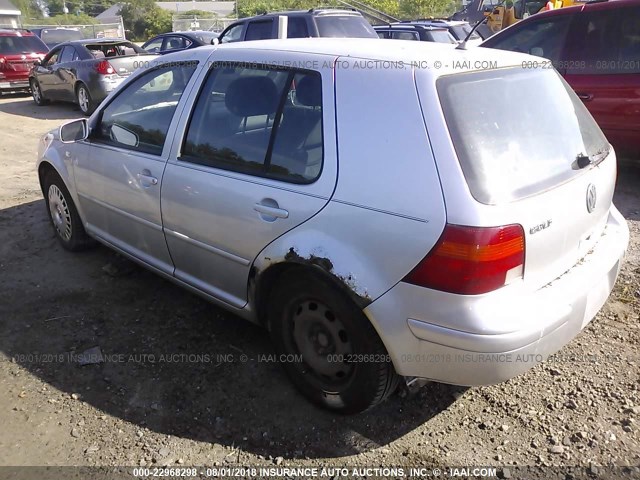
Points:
x=442 y=36
x=344 y=26
x=14 y=45
x=54 y=37
x=114 y=49
x=517 y=132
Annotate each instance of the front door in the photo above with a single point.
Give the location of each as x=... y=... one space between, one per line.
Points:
x=256 y=160
x=119 y=183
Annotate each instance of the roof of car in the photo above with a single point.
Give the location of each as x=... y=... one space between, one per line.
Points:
x=399 y=26
x=15 y=32
x=311 y=11
x=442 y=58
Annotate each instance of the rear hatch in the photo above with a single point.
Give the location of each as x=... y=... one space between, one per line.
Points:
x=18 y=54
x=531 y=154
x=123 y=56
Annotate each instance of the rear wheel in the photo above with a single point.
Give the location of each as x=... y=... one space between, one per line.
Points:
x=36 y=93
x=83 y=98
x=328 y=347
x=64 y=215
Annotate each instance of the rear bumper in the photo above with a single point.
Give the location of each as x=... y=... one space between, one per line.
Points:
x=14 y=84
x=103 y=86
x=487 y=339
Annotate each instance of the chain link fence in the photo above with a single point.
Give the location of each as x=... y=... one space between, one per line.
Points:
x=100 y=30
x=183 y=23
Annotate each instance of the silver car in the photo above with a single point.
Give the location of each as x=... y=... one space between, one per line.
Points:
x=381 y=214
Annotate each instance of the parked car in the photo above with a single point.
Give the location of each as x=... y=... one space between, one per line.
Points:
x=596 y=48
x=19 y=50
x=230 y=188
x=316 y=22
x=457 y=28
x=407 y=31
x=84 y=71
x=53 y=36
x=176 y=41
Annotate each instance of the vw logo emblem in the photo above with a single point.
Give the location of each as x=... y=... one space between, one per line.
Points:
x=591 y=198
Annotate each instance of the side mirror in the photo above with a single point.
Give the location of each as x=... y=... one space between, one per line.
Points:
x=37 y=63
x=215 y=41
x=74 y=131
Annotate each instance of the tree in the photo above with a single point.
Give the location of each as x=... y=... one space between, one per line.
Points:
x=144 y=19
x=413 y=9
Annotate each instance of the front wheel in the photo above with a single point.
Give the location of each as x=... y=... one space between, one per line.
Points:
x=36 y=93
x=64 y=215
x=83 y=98
x=328 y=347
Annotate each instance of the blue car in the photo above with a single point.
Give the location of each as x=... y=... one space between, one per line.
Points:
x=176 y=41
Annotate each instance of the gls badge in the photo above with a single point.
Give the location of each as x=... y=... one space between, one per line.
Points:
x=542 y=226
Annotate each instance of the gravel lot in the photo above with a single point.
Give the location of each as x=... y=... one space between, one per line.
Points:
x=150 y=405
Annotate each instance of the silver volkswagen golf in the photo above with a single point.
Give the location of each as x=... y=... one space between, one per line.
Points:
x=385 y=210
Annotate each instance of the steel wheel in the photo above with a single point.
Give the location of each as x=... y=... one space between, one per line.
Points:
x=84 y=100
x=323 y=342
x=60 y=214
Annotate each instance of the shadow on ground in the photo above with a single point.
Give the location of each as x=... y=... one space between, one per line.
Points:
x=173 y=362
x=22 y=105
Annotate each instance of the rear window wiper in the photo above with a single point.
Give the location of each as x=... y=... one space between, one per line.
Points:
x=583 y=160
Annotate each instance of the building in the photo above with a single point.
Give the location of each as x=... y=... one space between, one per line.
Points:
x=9 y=14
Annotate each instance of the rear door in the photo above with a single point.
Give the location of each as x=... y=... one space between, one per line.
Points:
x=257 y=159
x=605 y=70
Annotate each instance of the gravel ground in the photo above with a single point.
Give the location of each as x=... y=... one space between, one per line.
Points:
x=151 y=404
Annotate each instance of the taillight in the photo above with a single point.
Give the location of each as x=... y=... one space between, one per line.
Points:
x=105 y=68
x=472 y=260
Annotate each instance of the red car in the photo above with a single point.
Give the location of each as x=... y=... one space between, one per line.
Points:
x=596 y=48
x=19 y=49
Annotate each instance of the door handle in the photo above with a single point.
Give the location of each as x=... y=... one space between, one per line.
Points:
x=585 y=97
x=270 y=211
x=146 y=179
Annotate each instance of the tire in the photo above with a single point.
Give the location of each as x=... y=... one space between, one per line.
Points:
x=83 y=98
x=310 y=318
x=63 y=214
x=36 y=93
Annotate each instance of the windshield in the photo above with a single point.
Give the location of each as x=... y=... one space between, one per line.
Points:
x=15 y=45
x=344 y=26
x=510 y=150
x=54 y=37
x=442 y=36
x=461 y=31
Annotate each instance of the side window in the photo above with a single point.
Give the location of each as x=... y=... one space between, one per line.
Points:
x=234 y=34
x=259 y=30
x=629 y=49
x=543 y=38
x=405 y=36
x=297 y=27
x=597 y=53
x=258 y=121
x=382 y=34
x=67 y=54
x=139 y=117
x=175 y=43
x=154 y=46
x=53 y=58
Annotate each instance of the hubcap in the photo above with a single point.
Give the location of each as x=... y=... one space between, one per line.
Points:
x=59 y=211
x=323 y=342
x=35 y=90
x=83 y=99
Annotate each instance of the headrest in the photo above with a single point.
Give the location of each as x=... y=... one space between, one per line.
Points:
x=309 y=91
x=250 y=96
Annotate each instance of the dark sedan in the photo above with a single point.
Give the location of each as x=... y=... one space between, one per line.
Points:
x=176 y=41
x=84 y=71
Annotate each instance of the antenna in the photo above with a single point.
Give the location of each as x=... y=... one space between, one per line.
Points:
x=463 y=44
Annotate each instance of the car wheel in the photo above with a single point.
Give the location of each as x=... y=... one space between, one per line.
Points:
x=64 y=215
x=327 y=346
x=83 y=98
x=36 y=93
